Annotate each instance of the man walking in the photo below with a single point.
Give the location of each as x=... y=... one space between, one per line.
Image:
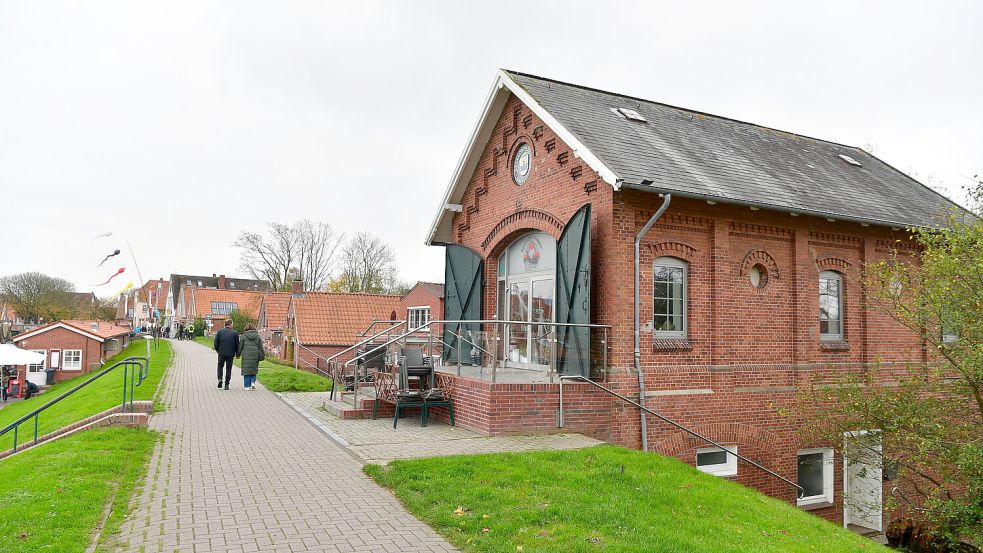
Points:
x=226 y=345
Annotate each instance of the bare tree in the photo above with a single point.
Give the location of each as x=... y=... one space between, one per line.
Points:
x=37 y=295
x=305 y=250
x=367 y=265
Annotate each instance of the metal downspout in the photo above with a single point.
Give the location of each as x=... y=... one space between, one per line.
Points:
x=638 y=351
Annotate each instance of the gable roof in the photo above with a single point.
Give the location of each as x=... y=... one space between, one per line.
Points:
x=332 y=318
x=433 y=288
x=698 y=155
x=246 y=302
x=149 y=292
x=103 y=331
x=276 y=305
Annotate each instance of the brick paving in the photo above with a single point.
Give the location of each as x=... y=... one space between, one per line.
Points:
x=375 y=441
x=241 y=471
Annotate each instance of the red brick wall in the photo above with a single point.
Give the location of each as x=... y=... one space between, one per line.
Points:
x=748 y=347
x=62 y=339
x=309 y=357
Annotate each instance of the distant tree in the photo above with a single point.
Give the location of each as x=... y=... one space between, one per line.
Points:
x=37 y=296
x=305 y=250
x=929 y=421
x=240 y=320
x=367 y=264
x=199 y=327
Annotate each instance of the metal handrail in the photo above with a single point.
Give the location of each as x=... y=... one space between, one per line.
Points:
x=799 y=489
x=477 y=321
x=136 y=379
x=365 y=341
x=378 y=321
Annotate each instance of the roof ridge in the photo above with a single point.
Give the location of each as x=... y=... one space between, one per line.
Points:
x=373 y=294
x=680 y=108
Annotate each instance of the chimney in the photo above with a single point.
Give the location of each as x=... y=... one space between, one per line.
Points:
x=297 y=288
x=221 y=282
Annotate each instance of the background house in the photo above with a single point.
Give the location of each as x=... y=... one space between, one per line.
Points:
x=272 y=321
x=179 y=293
x=215 y=305
x=71 y=347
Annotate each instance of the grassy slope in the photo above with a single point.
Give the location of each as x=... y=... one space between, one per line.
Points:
x=278 y=377
x=601 y=499
x=98 y=396
x=52 y=497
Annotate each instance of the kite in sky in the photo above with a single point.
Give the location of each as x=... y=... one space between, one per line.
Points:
x=119 y=272
x=115 y=253
x=103 y=235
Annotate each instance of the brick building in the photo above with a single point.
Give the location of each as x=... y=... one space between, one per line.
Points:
x=71 y=347
x=215 y=305
x=421 y=304
x=272 y=321
x=325 y=323
x=747 y=280
x=180 y=307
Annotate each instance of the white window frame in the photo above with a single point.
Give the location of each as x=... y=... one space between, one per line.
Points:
x=828 y=472
x=675 y=263
x=833 y=336
x=65 y=366
x=727 y=468
x=413 y=319
x=43 y=364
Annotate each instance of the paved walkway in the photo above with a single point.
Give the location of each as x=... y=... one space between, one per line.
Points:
x=375 y=441
x=241 y=471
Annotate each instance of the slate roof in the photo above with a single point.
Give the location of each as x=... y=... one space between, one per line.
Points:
x=433 y=288
x=276 y=305
x=332 y=318
x=694 y=154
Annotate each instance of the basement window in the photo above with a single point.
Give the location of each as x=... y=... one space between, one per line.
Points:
x=716 y=461
x=815 y=476
x=629 y=114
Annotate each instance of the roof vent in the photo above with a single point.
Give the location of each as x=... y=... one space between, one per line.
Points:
x=850 y=160
x=629 y=114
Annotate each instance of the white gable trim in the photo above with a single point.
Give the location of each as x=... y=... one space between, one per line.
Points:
x=494 y=104
x=43 y=329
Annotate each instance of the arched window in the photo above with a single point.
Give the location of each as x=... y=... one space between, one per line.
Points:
x=670 y=277
x=830 y=305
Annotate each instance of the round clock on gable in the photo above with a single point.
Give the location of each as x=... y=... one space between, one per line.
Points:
x=521 y=163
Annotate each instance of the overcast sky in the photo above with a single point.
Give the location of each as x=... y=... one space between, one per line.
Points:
x=181 y=124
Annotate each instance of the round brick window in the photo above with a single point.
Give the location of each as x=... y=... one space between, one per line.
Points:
x=758 y=275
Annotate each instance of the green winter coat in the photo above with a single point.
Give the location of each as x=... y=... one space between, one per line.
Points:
x=250 y=352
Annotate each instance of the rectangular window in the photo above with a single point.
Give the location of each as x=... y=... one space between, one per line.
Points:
x=713 y=460
x=830 y=306
x=72 y=360
x=417 y=316
x=815 y=476
x=39 y=367
x=223 y=307
x=669 y=295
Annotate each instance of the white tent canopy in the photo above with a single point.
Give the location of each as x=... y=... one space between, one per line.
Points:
x=13 y=355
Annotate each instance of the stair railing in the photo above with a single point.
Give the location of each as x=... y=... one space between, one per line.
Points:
x=799 y=490
x=131 y=379
x=337 y=369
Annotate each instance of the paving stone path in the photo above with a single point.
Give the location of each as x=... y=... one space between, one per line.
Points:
x=375 y=441
x=241 y=471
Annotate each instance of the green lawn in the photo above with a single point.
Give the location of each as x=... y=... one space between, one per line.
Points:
x=53 y=497
x=277 y=376
x=604 y=498
x=98 y=396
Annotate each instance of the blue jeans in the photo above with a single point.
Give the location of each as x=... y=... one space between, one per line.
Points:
x=248 y=381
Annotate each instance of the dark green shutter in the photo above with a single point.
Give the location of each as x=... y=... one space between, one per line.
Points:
x=573 y=295
x=463 y=280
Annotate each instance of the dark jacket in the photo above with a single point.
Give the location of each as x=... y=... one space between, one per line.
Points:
x=250 y=352
x=227 y=342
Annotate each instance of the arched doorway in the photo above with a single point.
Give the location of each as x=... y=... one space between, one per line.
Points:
x=525 y=292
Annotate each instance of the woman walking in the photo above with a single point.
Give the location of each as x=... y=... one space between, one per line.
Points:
x=250 y=354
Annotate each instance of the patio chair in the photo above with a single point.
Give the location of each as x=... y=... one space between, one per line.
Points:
x=413 y=364
x=387 y=390
x=437 y=396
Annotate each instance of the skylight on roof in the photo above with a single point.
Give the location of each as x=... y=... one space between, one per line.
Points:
x=850 y=160
x=629 y=114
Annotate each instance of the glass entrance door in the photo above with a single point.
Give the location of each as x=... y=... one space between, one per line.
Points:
x=526 y=294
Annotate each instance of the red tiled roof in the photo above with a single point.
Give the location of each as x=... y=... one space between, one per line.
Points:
x=105 y=329
x=332 y=318
x=247 y=302
x=276 y=304
x=149 y=291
